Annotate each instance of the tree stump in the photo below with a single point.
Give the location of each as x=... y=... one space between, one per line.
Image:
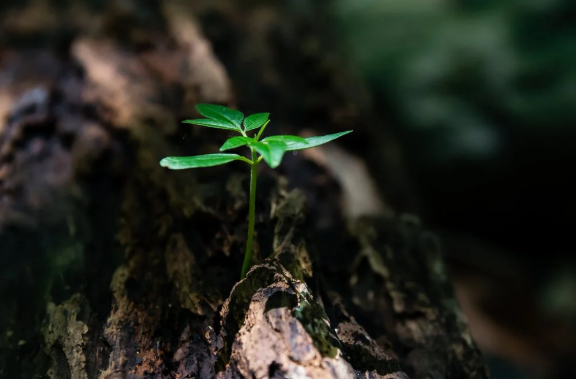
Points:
x=113 y=267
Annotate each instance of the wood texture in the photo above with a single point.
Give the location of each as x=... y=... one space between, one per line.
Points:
x=113 y=267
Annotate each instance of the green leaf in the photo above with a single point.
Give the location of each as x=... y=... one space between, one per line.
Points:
x=211 y=123
x=218 y=112
x=234 y=142
x=208 y=160
x=255 y=121
x=272 y=152
x=286 y=139
x=315 y=141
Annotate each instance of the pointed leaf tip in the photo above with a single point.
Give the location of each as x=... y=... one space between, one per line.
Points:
x=221 y=113
x=315 y=141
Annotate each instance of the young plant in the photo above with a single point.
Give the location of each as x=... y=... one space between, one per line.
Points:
x=271 y=149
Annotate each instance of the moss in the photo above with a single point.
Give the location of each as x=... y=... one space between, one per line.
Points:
x=308 y=312
x=362 y=359
x=281 y=299
x=292 y=265
x=314 y=320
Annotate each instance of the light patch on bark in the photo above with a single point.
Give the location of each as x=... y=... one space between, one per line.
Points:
x=64 y=331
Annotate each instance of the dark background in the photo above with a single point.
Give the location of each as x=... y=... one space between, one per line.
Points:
x=479 y=98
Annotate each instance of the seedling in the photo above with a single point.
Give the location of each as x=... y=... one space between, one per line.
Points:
x=271 y=149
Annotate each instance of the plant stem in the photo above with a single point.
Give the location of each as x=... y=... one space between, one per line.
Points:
x=251 y=209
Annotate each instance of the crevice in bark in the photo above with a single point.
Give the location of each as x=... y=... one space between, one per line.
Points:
x=131 y=271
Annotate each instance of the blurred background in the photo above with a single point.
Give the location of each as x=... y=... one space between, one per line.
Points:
x=481 y=96
x=479 y=99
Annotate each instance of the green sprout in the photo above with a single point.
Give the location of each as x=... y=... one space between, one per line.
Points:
x=271 y=149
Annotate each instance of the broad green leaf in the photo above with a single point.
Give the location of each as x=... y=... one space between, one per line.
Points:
x=208 y=160
x=234 y=142
x=255 y=121
x=286 y=139
x=218 y=112
x=314 y=141
x=211 y=123
x=271 y=152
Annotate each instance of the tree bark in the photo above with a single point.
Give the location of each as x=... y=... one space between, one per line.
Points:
x=113 y=267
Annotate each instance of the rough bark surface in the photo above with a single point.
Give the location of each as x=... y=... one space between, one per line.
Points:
x=112 y=267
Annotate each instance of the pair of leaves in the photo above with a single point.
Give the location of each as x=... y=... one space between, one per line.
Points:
x=221 y=117
x=272 y=150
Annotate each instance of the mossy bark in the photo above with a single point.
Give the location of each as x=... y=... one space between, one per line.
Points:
x=113 y=267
